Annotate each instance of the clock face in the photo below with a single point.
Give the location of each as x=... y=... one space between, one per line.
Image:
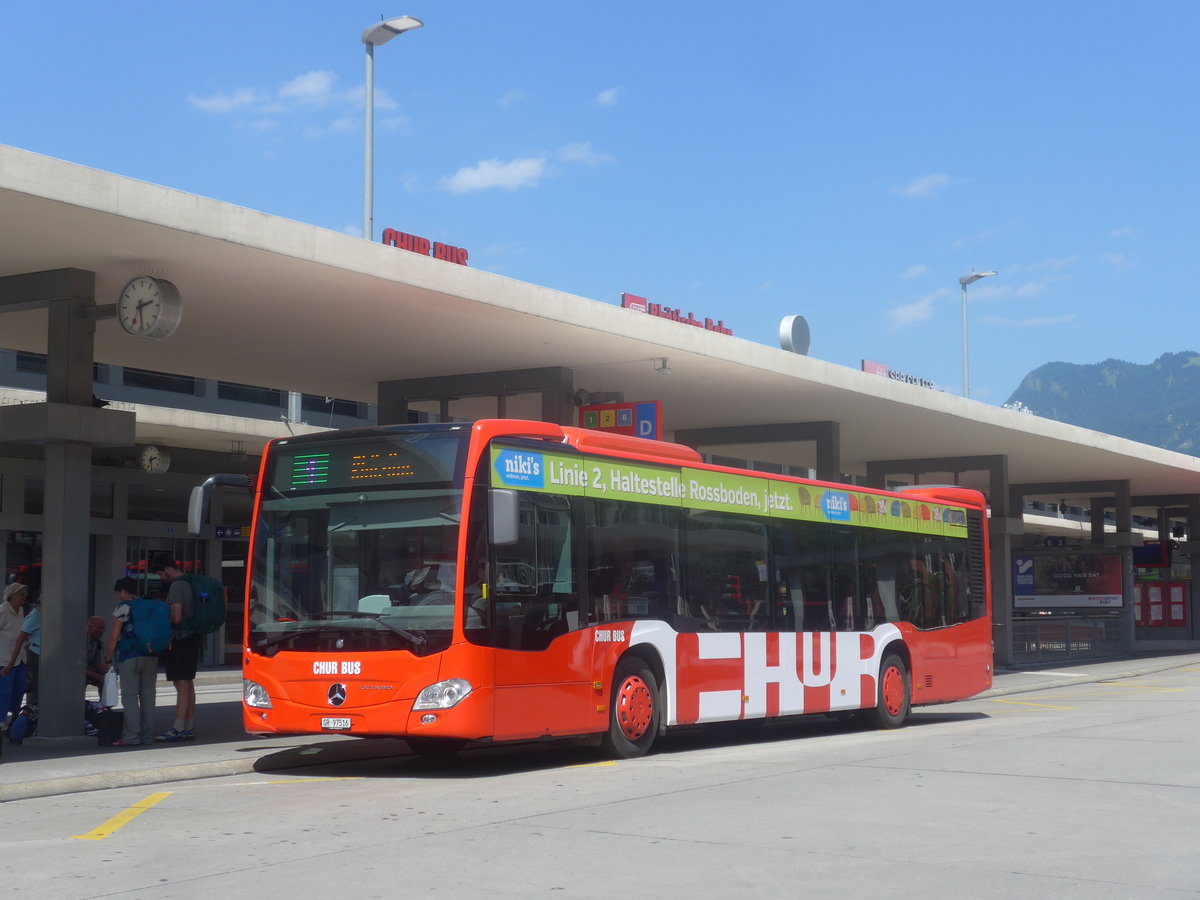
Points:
x=149 y=307
x=155 y=460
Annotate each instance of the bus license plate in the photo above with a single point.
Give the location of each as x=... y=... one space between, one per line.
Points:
x=329 y=723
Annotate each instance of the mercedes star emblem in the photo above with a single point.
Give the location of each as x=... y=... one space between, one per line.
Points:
x=337 y=694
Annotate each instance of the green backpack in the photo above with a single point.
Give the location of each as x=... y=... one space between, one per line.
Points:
x=208 y=605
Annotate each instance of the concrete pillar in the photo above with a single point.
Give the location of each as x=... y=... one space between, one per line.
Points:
x=1193 y=532
x=1096 y=519
x=1006 y=524
x=1124 y=535
x=64 y=598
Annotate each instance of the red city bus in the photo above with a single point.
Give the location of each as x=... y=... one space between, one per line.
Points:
x=507 y=580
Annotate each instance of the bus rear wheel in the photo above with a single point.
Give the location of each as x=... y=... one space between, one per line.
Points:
x=893 y=699
x=633 y=710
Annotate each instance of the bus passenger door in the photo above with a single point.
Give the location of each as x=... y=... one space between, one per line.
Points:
x=542 y=671
x=542 y=661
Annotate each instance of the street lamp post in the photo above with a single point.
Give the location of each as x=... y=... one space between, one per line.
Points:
x=964 y=281
x=376 y=36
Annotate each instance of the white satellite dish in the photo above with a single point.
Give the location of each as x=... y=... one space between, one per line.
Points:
x=793 y=334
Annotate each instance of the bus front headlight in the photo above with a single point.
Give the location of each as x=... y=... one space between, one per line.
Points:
x=255 y=694
x=443 y=695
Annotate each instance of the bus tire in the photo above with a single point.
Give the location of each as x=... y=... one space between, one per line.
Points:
x=634 y=710
x=893 y=699
x=435 y=747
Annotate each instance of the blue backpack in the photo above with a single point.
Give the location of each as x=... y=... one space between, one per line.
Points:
x=149 y=630
x=24 y=725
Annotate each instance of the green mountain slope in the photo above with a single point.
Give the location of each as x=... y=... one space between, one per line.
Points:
x=1157 y=404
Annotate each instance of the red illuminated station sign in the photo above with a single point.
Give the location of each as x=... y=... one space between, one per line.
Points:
x=641 y=304
x=404 y=241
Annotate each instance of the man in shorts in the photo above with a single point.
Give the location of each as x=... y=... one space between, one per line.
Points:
x=183 y=656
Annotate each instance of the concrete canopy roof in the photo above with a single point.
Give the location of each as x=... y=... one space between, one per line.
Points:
x=301 y=308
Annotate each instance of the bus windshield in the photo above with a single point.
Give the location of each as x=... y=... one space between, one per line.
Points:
x=361 y=557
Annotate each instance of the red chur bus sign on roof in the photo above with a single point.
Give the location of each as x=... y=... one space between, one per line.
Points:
x=641 y=304
x=404 y=241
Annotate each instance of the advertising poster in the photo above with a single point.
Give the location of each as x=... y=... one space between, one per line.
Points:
x=1067 y=579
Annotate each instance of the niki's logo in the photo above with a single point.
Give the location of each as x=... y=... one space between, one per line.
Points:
x=337 y=694
x=516 y=468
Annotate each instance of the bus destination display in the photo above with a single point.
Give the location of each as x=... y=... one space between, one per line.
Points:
x=355 y=463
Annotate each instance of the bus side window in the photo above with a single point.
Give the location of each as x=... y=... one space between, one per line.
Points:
x=726 y=580
x=632 y=550
x=802 y=576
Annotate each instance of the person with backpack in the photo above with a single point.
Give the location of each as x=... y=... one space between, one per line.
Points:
x=140 y=631
x=183 y=658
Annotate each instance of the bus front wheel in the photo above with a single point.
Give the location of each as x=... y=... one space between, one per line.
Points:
x=633 y=710
x=894 y=695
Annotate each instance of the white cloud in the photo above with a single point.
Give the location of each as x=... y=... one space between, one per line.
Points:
x=584 y=154
x=915 y=271
x=918 y=311
x=526 y=172
x=1126 y=232
x=1117 y=260
x=514 y=96
x=354 y=97
x=608 y=97
x=925 y=186
x=226 y=103
x=310 y=89
x=492 y=173
x=315 y=90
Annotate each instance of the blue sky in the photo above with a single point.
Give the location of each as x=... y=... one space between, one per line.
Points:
x=842 y=161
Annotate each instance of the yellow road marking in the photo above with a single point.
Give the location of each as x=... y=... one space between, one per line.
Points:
x=593 y=765
x=121 y=819
x=1025 y=703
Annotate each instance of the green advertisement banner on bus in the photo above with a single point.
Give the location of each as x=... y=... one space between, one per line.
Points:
x=602 y=478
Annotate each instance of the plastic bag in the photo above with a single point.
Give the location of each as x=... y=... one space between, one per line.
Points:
x=108 y=692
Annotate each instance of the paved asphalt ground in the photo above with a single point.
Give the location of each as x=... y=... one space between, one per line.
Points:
x=44 y=767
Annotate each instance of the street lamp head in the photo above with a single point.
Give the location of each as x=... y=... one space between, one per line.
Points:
x=378 y=35
x=974 y=277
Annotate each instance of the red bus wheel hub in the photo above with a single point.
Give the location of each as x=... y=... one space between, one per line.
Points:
x=893 y=691
x=635 y=707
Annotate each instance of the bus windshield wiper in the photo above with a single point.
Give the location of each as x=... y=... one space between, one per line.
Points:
x=378 y=617
x=267 y=643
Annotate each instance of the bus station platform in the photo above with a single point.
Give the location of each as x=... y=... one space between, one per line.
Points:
x=45 y=767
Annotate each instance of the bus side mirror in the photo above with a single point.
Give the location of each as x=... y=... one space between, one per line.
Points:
x=505 y=518
x=198 y=504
